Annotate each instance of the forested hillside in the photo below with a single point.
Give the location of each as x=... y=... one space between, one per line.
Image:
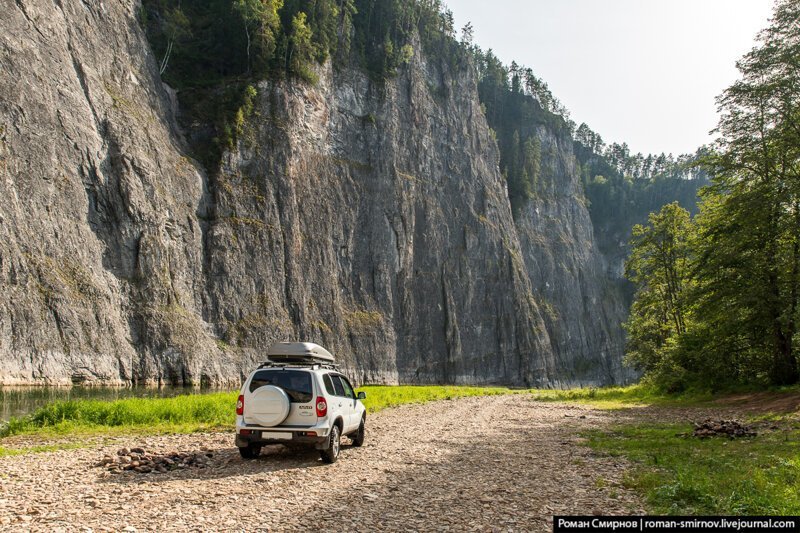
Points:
x=623 y=188
x=620 y=189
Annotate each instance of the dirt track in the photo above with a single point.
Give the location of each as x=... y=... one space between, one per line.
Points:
x=487 y=464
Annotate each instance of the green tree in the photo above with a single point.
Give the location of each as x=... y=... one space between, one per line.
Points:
x=300 y=52
x=517 y=177
x=347 y=10
x=467 y=36
x=177 y=28
x=659 y=265
x=532 y=162
x=261 y=25
x=750 y=226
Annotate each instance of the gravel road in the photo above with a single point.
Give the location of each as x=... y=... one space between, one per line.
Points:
x=498 y=463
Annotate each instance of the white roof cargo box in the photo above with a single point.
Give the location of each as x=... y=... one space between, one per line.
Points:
x=281 y=352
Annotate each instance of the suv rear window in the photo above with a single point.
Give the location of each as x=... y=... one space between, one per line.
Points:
x=296 y=383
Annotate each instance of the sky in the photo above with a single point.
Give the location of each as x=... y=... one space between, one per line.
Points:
x=645 y=72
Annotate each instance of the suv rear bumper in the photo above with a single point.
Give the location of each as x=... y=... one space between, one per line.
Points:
x=278 y=436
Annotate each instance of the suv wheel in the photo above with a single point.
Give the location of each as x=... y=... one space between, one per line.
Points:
x=251 y=451
x=358 y=438
x=332 y=453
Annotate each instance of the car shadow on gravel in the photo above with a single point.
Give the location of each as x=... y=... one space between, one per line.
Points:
x=226 y=462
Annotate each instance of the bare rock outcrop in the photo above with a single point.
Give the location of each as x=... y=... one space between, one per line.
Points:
x=369 y=217
x=100 y=246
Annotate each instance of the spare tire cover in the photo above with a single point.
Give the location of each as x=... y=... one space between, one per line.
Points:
x=268 y=406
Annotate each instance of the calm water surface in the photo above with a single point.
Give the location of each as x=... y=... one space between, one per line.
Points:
x=20 y=401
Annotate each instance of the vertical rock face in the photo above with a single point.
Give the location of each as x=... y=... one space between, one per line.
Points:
x=369 y=217
x=100 y=248
x=582 y=305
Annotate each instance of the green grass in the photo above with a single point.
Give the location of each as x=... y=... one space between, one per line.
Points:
x=8 y=452
x=140 y=415
x=684 y=475
x=621 y=397
x=383 y=396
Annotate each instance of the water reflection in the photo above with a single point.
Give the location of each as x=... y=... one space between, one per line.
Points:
x=20 y=401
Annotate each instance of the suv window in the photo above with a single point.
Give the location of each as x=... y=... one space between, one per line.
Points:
x=342 y=387
x=337 y=385
x=326 y=379
x=348 y=389
x=296 y=383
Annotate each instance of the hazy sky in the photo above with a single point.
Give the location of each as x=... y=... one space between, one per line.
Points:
x=645 y=72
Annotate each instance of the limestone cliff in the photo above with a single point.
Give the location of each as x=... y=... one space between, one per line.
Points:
x=573 y=284
x=369 y=217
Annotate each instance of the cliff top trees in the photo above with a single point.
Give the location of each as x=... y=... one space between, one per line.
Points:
x=517 y=104
x=300 y=48
x=269 y=38
x=261 y=25
x=212 y=51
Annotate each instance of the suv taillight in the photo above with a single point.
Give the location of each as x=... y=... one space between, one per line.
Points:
x=322 y=407
x=240 y=405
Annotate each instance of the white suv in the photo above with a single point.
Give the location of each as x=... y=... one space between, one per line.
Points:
x=298 y=398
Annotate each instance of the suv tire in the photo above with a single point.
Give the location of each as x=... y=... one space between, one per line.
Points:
x=251 y=451
x=334 y=444
x=358 y=437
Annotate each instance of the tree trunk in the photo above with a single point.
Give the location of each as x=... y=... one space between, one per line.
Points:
x=784 y=363
x=165 y=61
x=247 y=32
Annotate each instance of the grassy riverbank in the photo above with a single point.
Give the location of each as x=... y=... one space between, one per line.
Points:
x=680 y=474
x=619 y=397
x=189 y=413
x=137 y=415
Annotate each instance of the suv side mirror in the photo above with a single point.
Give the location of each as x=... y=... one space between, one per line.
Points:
x=362 y=395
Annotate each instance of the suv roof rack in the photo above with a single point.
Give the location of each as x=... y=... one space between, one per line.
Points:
x=298 y=364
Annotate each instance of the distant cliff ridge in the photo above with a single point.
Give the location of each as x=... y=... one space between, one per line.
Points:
x=369 y=217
